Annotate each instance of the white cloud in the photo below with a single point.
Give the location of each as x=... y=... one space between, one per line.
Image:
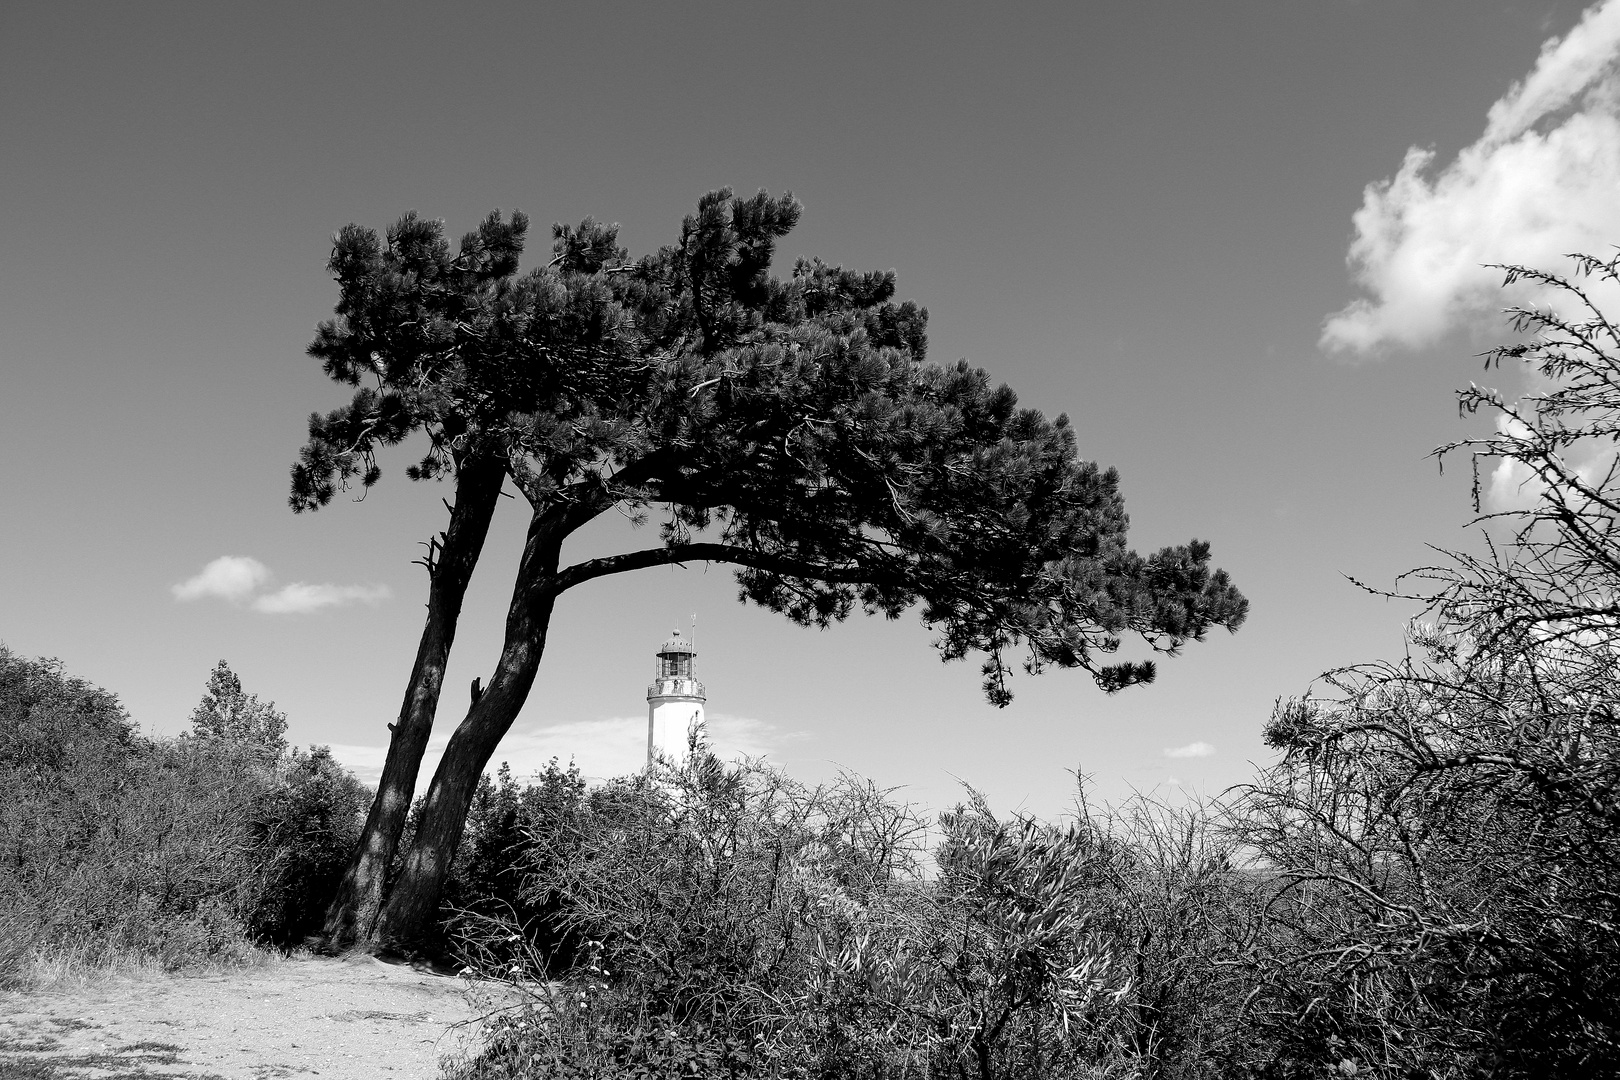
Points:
x=1540 y=182
x=300 y=599
x=366 y=762
x=1192 y=749
x=613 y=746
x=744 y=736
x=604 y=748
x=237 y=578
x=1513 y=487
x=229 y=577
x=617 y=746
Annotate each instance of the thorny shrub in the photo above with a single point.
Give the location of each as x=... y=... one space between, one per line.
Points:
x=1446 y=828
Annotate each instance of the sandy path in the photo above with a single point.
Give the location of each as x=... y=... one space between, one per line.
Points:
x=349 y=1019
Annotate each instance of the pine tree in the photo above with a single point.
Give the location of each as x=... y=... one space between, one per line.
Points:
x=409 y=321
x=792 y=428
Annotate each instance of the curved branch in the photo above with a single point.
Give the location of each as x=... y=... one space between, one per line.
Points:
x=582 y=572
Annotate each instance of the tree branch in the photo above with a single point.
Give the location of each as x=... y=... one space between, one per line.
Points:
x=582 y=572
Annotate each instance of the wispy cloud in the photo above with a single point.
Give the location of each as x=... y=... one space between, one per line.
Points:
x=603 y=748
x=237 y=578
x=1191 y=750
x=299 y=598
x=229 y=577
x=366 y=762
x=612 y=746
x=1540 y=182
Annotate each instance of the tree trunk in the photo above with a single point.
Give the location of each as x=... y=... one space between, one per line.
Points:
x=408 y=922
x=351 y=919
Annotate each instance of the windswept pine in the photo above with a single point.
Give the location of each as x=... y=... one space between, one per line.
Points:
x=791 y=427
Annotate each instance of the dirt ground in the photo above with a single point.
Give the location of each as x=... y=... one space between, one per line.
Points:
x=340 y=1019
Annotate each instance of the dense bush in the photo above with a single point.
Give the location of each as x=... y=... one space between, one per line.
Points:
x=302 y=828
x=693 y=893
x=1447 y=835
x=181 y=851
x=736 y=923
x=516 y=836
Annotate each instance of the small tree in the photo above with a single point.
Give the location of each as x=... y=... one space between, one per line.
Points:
x=225 y=712
x=791 y=428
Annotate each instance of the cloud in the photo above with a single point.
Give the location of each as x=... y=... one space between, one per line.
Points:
x=1539 y=183
x=612 y=746
x=236 y=578
x=744 y=736
x=617 y=746
x=229 y=577
x=1192 y=749
x=603 y=748
x=300 y=599
x=366 y=762
x=1512 y=485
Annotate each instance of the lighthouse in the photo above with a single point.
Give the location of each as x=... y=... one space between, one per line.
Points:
x=674 y=701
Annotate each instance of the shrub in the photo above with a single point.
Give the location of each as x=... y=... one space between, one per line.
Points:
x=691 y=891
x=1446 y=828
x=181 y=851
x=303 y=828
x=516 y=838
x=110 y=843
x=1181 y=909
x=992 y=970
x=1448 y=852
x=738 y=923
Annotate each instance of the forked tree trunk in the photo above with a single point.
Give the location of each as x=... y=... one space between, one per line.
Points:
x=351 y=919
x=408 y=921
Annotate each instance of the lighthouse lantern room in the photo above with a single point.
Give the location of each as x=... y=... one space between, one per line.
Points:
x=674 y=701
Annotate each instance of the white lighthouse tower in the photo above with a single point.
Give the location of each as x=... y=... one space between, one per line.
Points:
x=674 y=701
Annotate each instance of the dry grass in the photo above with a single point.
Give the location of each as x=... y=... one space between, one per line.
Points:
x=71 y=965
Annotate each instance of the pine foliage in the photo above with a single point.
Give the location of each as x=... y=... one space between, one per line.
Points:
x=790 y=426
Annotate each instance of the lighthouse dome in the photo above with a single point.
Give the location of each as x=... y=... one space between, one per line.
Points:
x=677 y=644
x=677 y=659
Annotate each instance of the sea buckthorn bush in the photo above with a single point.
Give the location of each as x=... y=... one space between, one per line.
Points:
x=732 y=922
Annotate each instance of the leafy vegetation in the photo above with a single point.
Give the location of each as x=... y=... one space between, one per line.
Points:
x=501 y=856
x=176 y=851
x=734 y=922
x=1426 y=883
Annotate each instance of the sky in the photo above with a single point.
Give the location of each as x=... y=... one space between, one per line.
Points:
x=1241 y=245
